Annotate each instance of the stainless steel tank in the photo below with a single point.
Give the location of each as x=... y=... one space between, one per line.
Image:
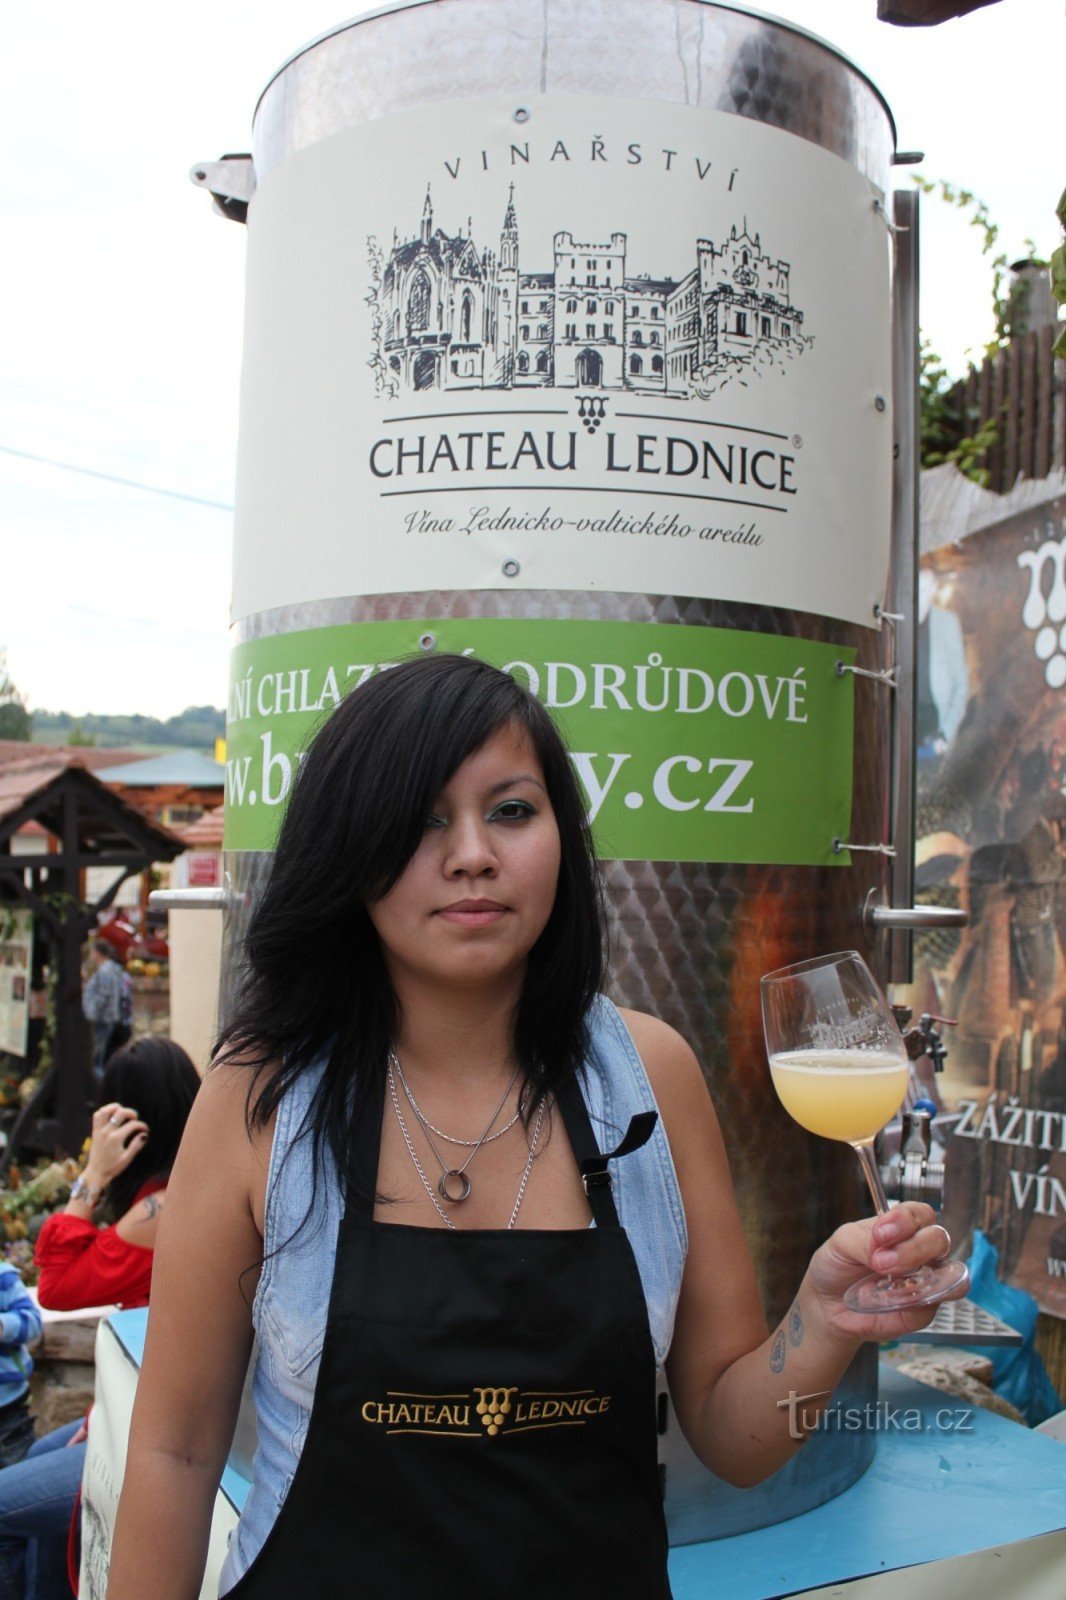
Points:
x=786 y=127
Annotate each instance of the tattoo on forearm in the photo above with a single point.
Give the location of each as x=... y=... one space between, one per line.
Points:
x=153 y=1205
x=795 y=1326
x=777 y=1351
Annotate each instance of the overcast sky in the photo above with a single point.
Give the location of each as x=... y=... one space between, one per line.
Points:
x=122 y=294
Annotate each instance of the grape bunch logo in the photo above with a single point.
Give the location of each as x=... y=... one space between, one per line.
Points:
x=493 y=1407
x=1044 y=611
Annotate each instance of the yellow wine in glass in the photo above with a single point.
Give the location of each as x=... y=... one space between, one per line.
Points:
x=840 y=1069
x=840 y=1094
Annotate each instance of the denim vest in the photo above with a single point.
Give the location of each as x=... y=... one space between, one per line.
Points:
x=292 y=1299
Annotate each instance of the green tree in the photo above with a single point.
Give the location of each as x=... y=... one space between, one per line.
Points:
x=948 y=433
x=15 y=720
x=80 y=739
x=948 y=430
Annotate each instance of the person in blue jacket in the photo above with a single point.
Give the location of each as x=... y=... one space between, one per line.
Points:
x=20 y=1324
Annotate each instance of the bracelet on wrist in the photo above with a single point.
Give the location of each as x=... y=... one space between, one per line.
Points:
x=86 y=1192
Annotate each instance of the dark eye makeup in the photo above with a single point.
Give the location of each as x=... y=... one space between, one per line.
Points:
x=506 y=811
x=514 y=810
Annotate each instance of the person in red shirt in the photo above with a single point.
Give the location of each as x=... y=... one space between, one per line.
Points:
x=147 y=1093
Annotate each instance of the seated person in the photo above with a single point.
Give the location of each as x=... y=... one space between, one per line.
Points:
x=147 y=1093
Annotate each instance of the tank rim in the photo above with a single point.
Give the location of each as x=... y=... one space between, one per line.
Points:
x=721 y=5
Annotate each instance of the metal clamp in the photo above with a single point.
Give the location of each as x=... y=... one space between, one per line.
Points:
x=892 y=227
x=840 y=845
x=887 y=675
x=231 y=183
x=599 y=1179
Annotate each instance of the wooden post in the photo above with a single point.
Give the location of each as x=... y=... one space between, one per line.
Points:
x=73 y=1079
x=1045 y=385
x=1025 y=417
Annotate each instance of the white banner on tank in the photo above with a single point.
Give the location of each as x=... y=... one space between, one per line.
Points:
x=584 y=343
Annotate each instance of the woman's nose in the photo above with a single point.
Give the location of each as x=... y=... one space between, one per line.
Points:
x=470 y=848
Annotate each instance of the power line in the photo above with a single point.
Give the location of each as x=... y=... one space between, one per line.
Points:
x=110 y=477
x=114 y=617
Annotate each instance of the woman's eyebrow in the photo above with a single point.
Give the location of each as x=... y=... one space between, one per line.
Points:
x=510 y=783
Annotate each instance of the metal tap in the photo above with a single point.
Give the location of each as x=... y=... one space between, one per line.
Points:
x=924 y=1039
x=916 y=1170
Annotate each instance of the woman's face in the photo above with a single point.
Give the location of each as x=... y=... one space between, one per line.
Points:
x=477 y=893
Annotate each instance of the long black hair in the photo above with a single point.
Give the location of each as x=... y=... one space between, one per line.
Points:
x=314 y=983
x=155 y=1078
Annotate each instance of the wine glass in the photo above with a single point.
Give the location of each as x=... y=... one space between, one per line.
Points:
x=840 y=1068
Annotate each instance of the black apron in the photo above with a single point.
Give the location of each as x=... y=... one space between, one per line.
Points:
x=483 y=1426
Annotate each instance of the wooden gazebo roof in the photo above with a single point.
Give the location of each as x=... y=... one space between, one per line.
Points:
x=105 y=828
x=93 y=827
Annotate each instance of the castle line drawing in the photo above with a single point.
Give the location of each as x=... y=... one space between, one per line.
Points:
x=450 y=316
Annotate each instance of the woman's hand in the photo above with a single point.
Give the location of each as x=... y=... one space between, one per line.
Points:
x=118 y=1135
x=908 y=1238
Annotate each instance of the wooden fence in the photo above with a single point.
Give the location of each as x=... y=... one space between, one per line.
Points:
x=1022 y=388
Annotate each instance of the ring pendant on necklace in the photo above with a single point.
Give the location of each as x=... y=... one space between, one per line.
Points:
x=451 y=1176
x=412 y=1152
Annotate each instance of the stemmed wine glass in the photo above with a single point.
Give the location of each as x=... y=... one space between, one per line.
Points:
x=840 y=1068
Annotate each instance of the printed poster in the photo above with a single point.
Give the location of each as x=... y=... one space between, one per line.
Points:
x=16 y=961
x=991 y=838
x=585 y=343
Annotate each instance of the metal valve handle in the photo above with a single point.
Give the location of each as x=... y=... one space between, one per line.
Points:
x=189 y=899
x=877 y=916
x=917 y=917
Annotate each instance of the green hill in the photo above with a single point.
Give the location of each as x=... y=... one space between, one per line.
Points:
x=197 y=727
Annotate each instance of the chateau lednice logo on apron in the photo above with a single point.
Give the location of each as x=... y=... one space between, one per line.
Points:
x=484 y=1411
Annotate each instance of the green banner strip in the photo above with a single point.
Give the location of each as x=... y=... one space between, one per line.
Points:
x=691 y=744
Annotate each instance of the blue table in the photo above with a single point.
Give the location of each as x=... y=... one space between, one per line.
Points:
x=947 y=1483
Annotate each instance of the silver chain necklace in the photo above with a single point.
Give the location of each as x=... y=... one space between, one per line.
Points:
x=450 y=1175
x=412 y=1152
x=431 y=1127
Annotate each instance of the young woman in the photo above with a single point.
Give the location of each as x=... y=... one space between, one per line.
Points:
x=420 y=1102
x=148 y=1089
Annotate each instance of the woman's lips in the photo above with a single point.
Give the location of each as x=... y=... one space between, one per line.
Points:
x=473 y=913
